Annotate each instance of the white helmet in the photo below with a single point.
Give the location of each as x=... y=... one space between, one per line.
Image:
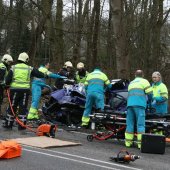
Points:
x=80 y=65
x=23 y=57
x=7 y=58
x=68 y=64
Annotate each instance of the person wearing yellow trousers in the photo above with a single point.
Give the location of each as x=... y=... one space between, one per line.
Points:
x=136 y=105
x=95 y=87
x=37 y=85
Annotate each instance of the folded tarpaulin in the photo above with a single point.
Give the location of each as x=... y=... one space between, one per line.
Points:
x=9 y=149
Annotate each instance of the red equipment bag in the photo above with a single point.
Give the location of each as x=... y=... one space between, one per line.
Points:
x=9 y=149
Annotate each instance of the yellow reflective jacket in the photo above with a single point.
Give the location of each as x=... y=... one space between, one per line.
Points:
x=21 y=76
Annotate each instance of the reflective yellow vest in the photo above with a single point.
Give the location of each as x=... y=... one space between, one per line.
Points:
x=21 y=76
x=79 y=79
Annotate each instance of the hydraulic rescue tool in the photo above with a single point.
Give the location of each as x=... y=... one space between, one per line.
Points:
x=124 y=157
x=43 y=129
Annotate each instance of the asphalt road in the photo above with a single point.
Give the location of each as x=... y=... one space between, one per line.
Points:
x=88 y=156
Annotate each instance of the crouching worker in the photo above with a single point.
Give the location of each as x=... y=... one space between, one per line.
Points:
x=136 y=105
x=18 y=80
x=95 y=87
x=37 y=85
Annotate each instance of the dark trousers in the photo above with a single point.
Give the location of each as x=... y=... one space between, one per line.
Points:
x=1 y=96
x=19 y=100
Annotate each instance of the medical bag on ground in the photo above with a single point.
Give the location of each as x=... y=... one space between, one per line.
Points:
x=9 y=149
x=152 y=143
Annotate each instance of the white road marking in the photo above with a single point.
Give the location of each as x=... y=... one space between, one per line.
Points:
x=56 y=156
x=83 y=133
x=81 y=157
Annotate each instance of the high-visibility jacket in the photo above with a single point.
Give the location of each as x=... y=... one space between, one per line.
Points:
x=3 y=73
x=41 y=80
x=96 y=81
x=21 y=76
x=160 y=94
x=80 y=79
x=137 y=91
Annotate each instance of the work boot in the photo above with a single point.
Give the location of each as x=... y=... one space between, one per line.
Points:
x=23 y=119
x=33 y=123
x=8 y=122
x=1 y=115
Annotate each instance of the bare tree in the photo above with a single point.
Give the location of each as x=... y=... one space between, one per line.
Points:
x=122 y=64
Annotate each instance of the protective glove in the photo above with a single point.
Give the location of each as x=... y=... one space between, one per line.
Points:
x=154 y=102
x=160 y=99
x=56 y=76
x=63 y=77
x=46 y=76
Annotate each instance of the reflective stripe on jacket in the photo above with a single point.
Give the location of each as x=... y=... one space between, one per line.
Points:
x=137 y=90
x=21 y=76
x=95 y=81
x=43 y=70
x=160 y=90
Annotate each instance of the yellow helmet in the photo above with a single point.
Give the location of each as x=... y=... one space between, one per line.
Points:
x=80 y=65
x=68 y=64
x=23 y=57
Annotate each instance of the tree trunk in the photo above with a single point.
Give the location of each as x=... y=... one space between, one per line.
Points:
x=59 y=41
x=122 y=65
x=96 y=32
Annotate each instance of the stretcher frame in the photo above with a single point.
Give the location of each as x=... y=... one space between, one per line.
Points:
x=114 y=125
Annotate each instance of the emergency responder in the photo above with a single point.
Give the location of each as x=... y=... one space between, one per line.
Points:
x=81 y=73
x=136 y=105
x=160 y=94
x=4 y=67
x=37 y=86
x=67 y=71
x=95 y=84
x=18 y=80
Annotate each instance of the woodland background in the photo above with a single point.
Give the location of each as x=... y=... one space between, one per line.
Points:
x=120 y=35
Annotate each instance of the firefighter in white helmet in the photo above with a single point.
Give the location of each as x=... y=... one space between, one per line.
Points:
x=67 y=71
x=81 y=73
x=18 y=80
x=4 y=67
x=68 y=64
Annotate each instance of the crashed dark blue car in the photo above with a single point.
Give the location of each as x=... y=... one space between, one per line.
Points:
x=67 y=105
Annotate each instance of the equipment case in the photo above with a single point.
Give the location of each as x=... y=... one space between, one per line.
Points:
x=152 y=143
